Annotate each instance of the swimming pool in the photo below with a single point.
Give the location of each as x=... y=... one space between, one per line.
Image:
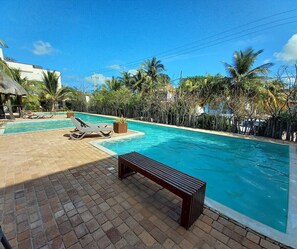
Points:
x=36 y=125
x=248 y=176
x=49 y=124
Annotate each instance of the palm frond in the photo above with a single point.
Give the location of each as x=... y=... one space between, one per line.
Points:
x=3 y=44
x=263 y=69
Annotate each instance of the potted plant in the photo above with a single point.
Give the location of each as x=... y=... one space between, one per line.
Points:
x=70 y=114
x=120 y=125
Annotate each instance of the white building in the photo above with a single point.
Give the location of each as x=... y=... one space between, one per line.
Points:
x=32 y=72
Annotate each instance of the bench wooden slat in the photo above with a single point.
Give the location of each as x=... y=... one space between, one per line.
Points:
x=187 y=180
x=159 y=166
x=175 y=180
x=144 y=158
x=190 y=189
x=167 y=183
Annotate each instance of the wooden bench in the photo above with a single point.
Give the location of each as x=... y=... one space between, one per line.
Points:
x=3 y=240
x=190 y=189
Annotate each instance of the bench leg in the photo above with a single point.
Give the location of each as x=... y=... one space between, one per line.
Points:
x=192 y=207
x=3 y=240
x=124 y=171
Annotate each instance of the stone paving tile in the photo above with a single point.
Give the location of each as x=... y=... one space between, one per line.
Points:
x=104 y=242
x=69 y=239
x=86 y=240
x=58 y=193
x=81 y=230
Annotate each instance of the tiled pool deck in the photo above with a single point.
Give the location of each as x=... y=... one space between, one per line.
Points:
x=59 y=193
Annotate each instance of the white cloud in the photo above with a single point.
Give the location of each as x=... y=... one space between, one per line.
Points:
x=132 y=71
x=85 y=83
x=43 y=48
x=115 y=67
x=74 y=78
x=97 y=79
x=120 y=68
x=289 y=80
x=267 y=61
x=289 y=51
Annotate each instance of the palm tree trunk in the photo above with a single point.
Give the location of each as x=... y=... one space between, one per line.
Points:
x=8 y=102
x=2 y=113
x=20 y=107
x=53 y=106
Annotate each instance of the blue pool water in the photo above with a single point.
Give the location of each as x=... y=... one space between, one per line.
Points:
x=248 y=176
x=37 y=125
x=48 y=124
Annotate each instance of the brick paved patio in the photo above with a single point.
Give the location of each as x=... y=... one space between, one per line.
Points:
x=59 y=193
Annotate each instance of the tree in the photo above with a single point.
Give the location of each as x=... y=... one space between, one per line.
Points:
x=139 y=82
x=51 y=89
x=5 y=68
x=97 y=101
x=289 y=77
x=127 y=80
x=202 y=88
x=242 y=81
x=113 y=84
x=16 y=75
x=241 y=71
x=273 y=97
x=152 y=69
x=77 y=100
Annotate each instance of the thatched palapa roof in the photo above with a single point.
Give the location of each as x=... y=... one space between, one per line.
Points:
x=9 y=86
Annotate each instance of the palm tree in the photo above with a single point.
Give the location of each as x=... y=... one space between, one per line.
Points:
x=16 y=75
x=139 y=82
x=5 y=68
x=241 y=72
x=113 y=84
x=51 y=89
x=273 y=100
x=33 y=87
x=273 y=97
x=126 y=80
x=242 y=79
x=153 y=69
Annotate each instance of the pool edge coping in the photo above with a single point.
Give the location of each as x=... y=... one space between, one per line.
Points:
x=96 y=143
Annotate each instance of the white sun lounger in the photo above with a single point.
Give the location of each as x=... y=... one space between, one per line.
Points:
x=82 y=129
x=84 y=124
x=33 y=115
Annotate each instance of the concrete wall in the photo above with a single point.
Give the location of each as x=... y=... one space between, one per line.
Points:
x=32 y=72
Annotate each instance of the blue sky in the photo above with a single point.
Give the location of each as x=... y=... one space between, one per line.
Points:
x=80 y=38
